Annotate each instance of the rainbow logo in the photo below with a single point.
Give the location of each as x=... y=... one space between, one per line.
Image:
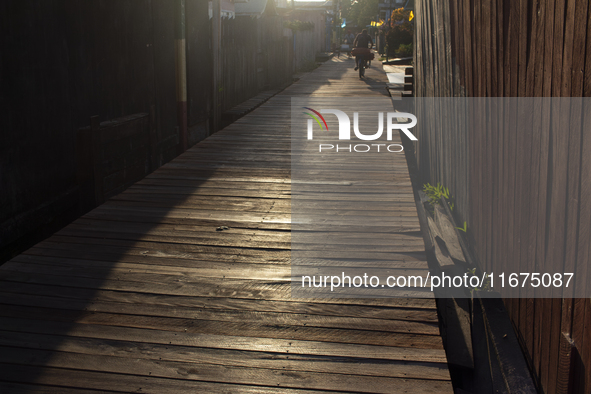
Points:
x=316 y=118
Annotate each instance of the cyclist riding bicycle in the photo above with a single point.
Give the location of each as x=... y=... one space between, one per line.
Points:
x=363 y=40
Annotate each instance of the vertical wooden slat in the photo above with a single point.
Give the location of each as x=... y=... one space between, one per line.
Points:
x=585 y=348
x=153 y=139
x=558 y=198
x=527 y=303
x=587 y=75
x=84 y=170
x=477 y=48
x=580 y=28
x=499 y=136
x=216 y=81
x=511 y=70
x=581 y=312
x=467 y=45
x=549 y=48
x=489 y=133
x=535 y=86
x=520 y=160
x=544 y=315
x=565 y=376
x=97 y=165
x=500 y=40
x=571 y=56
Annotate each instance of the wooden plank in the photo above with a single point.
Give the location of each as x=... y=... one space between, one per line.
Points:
x=86 y=380
x=205 y=372
x=535 y=85
x=404 y=310
x=219 y=341
x=581 y=308
x=566 y=363
x=558 y=182
x=184 y=250
x=138 y=272
x=206 y=287
x=236 y=358
x=41 y=389
x=586 y=348
x=279 y=318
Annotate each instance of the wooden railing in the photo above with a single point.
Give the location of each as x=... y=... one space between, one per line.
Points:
x=113 y=155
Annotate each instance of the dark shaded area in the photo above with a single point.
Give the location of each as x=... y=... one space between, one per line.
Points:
x=63 y=62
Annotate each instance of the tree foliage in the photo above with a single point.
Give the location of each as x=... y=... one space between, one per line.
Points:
x=400 y=17
x=359 y=13
x=400 y=33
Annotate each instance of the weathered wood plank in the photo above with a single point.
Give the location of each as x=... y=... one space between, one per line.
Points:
x=238 y=358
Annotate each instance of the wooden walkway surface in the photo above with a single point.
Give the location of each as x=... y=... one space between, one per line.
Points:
x=145 y=294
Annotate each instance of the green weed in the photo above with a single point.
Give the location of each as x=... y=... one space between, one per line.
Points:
x=436 y=192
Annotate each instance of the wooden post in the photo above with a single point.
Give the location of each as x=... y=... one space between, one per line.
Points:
x=84 y=170
x=181 y=74
x=153 y=139
x=566 y=361
x=216 y=36
x=97 y=163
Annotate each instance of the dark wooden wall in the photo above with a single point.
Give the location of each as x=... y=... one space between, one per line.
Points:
x=199 y=69
x=163 y=33
x=63 y=61
x=526 y=196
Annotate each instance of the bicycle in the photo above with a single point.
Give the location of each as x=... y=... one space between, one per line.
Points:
x=362 y=57
x=362 y=66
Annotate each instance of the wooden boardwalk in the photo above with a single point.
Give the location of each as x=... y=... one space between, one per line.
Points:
x=145 y=293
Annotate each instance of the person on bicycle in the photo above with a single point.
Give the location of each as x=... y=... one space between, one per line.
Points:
x=349 y=38
x=363 y=40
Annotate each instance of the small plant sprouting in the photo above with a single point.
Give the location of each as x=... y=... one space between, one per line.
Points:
x=436 y=192
x=464 y=229
x=486 y=287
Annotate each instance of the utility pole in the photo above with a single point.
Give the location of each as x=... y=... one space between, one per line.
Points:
x=181 y=73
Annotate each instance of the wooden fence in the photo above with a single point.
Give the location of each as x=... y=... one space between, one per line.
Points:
x=255 y=56
x=113 y=155
x=525 y=196
x=307 y=43
x=67 y=61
